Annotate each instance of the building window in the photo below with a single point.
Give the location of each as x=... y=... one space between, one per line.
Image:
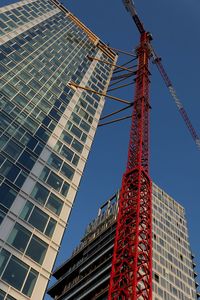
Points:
x=9 y=170
x=67 y=153
x=4 y=257
x=50 y=227
x=7 y=195
x=66 y=137
x=15 y=272
x=36 y=249
x=21 y=239
x=156 y=277
x=54 y=204
x=44 y=174
x=40 y=193
x=13 y=149
x=65 y=189
x=27 y=160
x=2 y=295
x=4 y=138
x=55 y=161
x=30 y=283
x=67 y=171
x=37 y=218
x=3 y=212
x=55 y=181
x=85 y=126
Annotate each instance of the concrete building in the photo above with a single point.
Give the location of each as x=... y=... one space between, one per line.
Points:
x=85 y=275
x=47 y=129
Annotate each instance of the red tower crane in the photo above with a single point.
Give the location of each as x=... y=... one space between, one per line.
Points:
x=131 y=274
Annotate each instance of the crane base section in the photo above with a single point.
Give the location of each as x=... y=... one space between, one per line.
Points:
x=131 y=276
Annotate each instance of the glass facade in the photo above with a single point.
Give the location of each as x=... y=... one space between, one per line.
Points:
x=86 y=274
x=172 y=257
x=46 y=129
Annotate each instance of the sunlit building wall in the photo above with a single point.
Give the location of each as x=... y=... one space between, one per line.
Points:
x=47 y=129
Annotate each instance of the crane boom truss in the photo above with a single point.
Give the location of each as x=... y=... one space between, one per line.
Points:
x=176 y=99
x=130 y=7
x=131 y=275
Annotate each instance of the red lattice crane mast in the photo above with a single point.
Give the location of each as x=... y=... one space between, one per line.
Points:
x=131 y=274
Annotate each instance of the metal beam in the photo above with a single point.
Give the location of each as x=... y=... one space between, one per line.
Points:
x=124 y=52
x=105 y=62
x=73 y=84
x=114 y=121
x=121 y=86
x=116 y=112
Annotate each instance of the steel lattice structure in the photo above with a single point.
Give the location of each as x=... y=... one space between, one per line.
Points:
x=131 y=275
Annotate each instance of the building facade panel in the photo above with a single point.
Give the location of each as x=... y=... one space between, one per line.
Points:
x=47 y=129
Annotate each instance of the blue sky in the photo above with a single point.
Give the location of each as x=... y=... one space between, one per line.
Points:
x=175 y=160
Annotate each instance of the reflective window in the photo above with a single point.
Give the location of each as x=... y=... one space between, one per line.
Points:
x=85 y=126
x=13 y=149
x=2 y=295
x=9 y=170
x=38 y=219
x=40 y=193
x=19 y=237
x=30 y=282
x=54 y=204
x=55 y=181
x=66 y=152
x=15 y=273
x=67 y=171
x=43 y=134
x=4 y=256
x=25 y=213
x=21 y=178
x=44 y=174
x=50 y=227
x=3 y=139
x=55 y=161
x=27 y=160
x=7 y=195
x=37 y=249
x=91 y=110
x=66 y=137
x=21 y=100
x=77 y=146
x=75 y=160
x=3 y=212
x=65 y=189
x=75 y=130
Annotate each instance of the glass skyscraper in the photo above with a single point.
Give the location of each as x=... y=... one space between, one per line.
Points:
x=85 y=275
x=47 y=129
